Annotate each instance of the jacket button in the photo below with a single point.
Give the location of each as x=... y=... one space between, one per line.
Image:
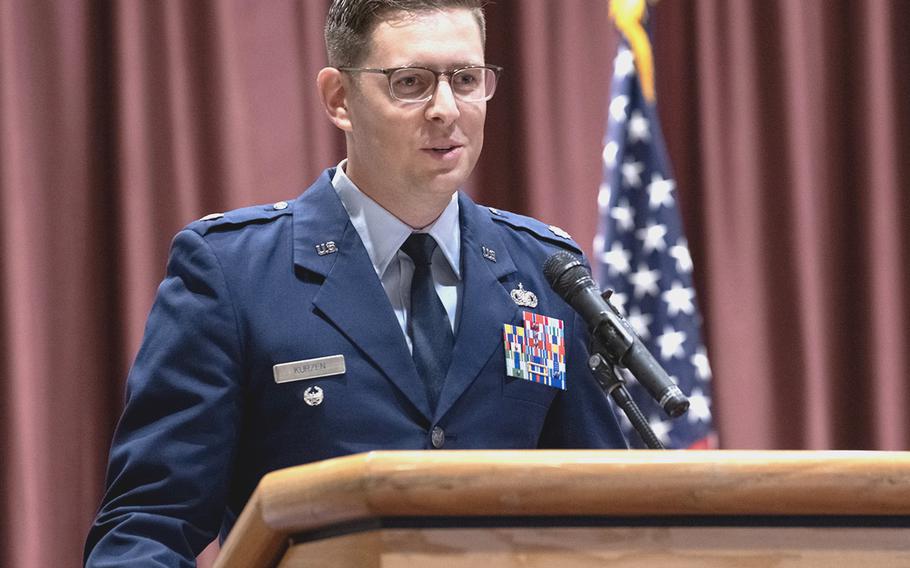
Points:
x=438 y=437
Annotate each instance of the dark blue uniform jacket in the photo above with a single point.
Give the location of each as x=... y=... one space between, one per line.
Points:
x=205 y=418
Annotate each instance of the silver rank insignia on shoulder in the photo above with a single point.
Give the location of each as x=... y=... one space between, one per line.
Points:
x=523 y=297
x=313 y=396
x=323 y=249
x=488 y=253
x=559 y=232
x=212 y=216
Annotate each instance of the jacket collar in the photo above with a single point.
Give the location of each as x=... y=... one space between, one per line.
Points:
x=486 y=304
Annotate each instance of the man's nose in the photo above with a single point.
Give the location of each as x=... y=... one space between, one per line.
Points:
x=443 y=106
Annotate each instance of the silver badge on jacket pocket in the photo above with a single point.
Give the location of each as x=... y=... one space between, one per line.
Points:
x=309 y=369
x=313 y=396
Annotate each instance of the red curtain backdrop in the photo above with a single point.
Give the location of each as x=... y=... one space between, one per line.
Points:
x=122 y=121
x=788 y=126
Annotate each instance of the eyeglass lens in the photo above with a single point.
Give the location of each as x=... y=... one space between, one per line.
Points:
x=415 y=84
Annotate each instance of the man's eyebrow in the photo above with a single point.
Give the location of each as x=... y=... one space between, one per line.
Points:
x=457 y=65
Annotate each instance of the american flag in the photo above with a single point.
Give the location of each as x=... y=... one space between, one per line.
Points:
x=642 y=254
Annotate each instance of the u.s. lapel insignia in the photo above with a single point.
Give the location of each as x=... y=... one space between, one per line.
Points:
x=488 y=253
x=329 y=247
x=536 y=350
x=313 y=396
x=524 y=298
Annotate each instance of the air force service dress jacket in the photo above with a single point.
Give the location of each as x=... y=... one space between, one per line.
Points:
x=205 y=418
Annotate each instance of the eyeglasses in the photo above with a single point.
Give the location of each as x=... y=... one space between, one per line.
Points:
x=418 y=84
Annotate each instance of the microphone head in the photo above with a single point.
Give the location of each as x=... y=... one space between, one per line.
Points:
x=565 y=272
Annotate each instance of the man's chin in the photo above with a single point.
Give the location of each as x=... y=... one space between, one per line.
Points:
x=455 y=172
x=449 y=181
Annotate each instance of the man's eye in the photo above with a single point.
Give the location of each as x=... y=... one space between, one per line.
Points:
x=410 y=82
x=467 y=78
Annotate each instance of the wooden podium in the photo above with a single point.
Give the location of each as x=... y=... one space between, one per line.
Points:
x=488 y=509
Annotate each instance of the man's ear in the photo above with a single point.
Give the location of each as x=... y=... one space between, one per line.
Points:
x=334 y=97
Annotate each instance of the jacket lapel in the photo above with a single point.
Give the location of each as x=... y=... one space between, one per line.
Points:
x=486 y=304
x=351 y=296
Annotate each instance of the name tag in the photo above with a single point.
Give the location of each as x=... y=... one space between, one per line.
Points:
x=309 y=369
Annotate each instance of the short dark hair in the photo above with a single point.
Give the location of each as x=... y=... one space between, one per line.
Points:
x=350 y=23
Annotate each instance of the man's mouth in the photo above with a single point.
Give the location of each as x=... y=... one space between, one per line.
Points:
x=445 y=151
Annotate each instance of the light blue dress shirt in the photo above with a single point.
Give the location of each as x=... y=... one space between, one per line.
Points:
x=383 y=234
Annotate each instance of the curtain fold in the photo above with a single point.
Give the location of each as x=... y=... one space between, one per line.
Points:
x=886 y=218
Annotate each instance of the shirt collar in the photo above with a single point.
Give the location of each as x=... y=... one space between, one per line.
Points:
x=383 y=234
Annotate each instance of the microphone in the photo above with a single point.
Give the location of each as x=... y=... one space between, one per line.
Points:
x=573 y=283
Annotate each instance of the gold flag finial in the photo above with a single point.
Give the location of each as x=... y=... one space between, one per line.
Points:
x=629 y=15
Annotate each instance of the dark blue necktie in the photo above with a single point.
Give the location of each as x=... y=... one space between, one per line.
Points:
x=428 y=324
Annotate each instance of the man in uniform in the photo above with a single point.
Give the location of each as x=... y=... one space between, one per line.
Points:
x=382 y=309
